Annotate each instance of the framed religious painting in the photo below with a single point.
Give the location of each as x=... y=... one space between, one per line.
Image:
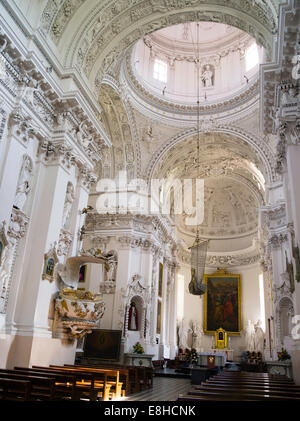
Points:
x=158 y=319
x=160 y=279
x=50 y=260
x=222 y=303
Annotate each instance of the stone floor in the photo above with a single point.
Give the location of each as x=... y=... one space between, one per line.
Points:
x=164 y=389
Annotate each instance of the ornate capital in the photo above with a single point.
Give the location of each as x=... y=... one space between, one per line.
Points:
x=56 y=153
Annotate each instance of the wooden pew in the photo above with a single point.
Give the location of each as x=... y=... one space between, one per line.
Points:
x=65 y=384
x=240 y=386
x=103 y=383
x=42 y=388
x=241 y=382
x=246 y=390
x=292 y=388
x=15 y=389
x=125 y=374
x=84 y=382
x=134 y=378
x=112 y=377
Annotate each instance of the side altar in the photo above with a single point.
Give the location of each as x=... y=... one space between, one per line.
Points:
x=138 y=359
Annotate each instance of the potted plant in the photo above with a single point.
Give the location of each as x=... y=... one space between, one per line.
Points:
x=283 y=355
x=138 y=349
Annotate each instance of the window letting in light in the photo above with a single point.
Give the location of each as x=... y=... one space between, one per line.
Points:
x=160 y=70
x=251 y=57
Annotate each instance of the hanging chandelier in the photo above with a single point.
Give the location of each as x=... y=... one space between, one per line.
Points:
x=199 y=248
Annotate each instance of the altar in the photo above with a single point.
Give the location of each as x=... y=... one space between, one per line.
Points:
x=138 y=359
x=220 y=357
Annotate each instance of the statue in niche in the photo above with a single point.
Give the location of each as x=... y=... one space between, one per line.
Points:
x=207 y=77
x=68 y=206
x=133 y=317
x=259 y=338
x=24 y=184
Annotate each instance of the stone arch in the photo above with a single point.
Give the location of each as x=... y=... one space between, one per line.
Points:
x=104 y=31
x=254 y=142
x=119 y=121
x=284 y=313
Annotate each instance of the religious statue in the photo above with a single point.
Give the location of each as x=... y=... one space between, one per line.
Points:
x=206 y=77
x=198 y=333
x=249 y=336
x=259 y=338
x=21 y=195
x=133 y=317
x=68 y=206
x=183 y=331
x=83 y=137
x=24 y=187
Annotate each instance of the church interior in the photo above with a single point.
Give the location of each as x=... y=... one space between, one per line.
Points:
x=150 y=206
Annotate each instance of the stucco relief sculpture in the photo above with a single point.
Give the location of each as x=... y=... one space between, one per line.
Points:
x=24 y=184
x=110 y=272
x=79 y=311
x=68 y=206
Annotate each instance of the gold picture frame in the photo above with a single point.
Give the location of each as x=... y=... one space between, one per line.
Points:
x=50 y=260
x=158 y=319
x=160 y=279
x=222 y=306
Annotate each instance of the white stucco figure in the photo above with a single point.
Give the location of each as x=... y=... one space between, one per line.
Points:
x=249 y=336
x=183 y=334
x=198 y=337
x=259 y=338
x=68 y=206
x=207 y=77
x=21 y=195
x=24 y=184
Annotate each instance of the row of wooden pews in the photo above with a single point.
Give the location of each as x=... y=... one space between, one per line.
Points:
x=134 y=378
x=244 y=386
x=73 y=382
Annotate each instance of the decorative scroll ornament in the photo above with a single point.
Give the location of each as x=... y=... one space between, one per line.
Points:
x=198 y=256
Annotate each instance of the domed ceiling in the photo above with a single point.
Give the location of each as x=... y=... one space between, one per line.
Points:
x=220 y=49
x=233 y=185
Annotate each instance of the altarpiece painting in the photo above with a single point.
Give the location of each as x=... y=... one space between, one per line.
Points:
x=222 y=303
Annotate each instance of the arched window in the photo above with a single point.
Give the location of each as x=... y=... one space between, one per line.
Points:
x=160 y=70
x=251 y=57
